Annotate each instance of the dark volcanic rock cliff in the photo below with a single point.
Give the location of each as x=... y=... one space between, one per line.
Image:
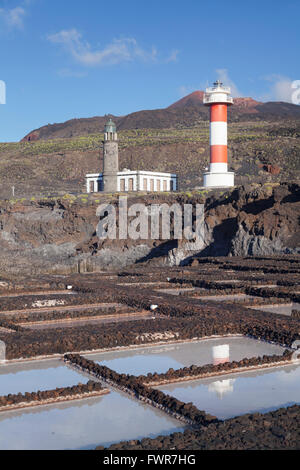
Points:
x=59 y=235
x=260 y=221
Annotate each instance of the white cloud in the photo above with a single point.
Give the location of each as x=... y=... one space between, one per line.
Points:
x=13 y=18
x=173 y=57
x=281 y=88
x=224 y=77
x=119 y=50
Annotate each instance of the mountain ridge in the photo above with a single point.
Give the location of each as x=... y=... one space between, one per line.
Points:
x=186 y=112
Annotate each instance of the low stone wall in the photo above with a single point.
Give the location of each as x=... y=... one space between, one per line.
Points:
x=276 y=294
x=196 y=372
x=48 y=301
x=4 y=323
x=295 y=314
x=30 y=343
x=130 y=384
x=13 y=401
x=181 y=318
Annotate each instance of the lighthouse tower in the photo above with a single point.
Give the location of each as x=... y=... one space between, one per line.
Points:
x=110 y=158
x=218 y=99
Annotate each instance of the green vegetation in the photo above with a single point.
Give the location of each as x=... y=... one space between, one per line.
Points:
x=128 y=138
x=58 y=167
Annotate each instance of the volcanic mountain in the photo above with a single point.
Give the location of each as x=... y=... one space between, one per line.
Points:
x=196 y=99
x=187 y=112
x=193 y=99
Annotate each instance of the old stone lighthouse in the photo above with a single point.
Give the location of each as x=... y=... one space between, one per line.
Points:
x=112 y=180
x=110 y=158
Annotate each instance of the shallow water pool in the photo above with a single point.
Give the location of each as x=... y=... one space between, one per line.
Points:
x=283 y=309
x=37 y=375
x=159 y=359
x=231 y=395
x=84 y=424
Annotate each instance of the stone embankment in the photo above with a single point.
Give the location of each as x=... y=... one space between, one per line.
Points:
x=185 y=412
x=47 y=397
x=209 y=370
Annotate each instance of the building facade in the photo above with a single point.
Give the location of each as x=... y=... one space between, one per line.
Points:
x=127 y=180
x=112 y=180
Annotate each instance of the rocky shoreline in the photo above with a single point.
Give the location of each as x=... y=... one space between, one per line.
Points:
x=58 y=235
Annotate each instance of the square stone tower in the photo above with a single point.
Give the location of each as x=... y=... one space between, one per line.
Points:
x=110 y=158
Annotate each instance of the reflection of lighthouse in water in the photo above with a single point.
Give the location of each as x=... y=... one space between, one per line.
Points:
x=220 y=354
x=221 y=387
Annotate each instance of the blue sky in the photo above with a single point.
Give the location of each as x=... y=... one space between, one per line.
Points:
x=67 y=59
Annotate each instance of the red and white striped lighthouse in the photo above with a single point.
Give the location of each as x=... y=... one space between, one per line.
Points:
x=218 y=99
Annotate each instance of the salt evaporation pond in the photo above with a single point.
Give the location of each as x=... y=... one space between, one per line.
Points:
x=250 y=392
x=282 y=309
x=159 y=359
x=38 y=294
x=37 y=375
x=176 y=290
x=88 y=321
x=226 y=297
x=84 y=424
